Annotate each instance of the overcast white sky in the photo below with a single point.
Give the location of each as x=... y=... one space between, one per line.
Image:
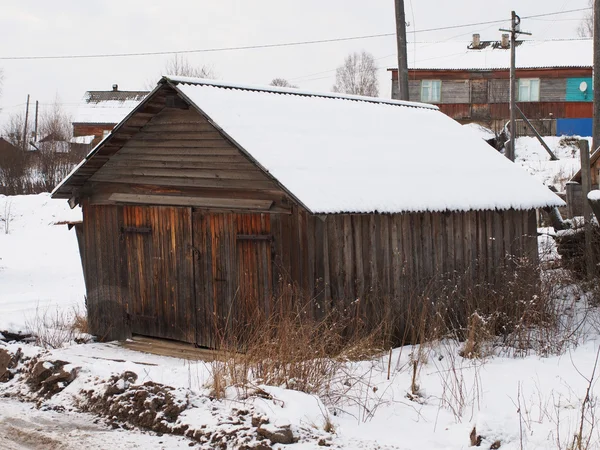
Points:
x=60 y=27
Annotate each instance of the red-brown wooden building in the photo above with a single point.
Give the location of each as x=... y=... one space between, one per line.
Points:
x=470 y=82
x=100 y=111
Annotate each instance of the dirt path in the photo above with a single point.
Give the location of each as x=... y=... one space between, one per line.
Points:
x=23 y=427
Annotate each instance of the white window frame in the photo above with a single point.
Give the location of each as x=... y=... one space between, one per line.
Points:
x=429 y=92
x=531 y=86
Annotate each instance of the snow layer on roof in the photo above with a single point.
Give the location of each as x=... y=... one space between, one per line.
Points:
x=337 y=155
x=284 y=90
x=82 y=139
x=110 y=111
x=530 y=54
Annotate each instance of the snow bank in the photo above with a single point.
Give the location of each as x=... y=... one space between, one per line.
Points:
x=40 y=268
x=594 y=195
x=534 y=159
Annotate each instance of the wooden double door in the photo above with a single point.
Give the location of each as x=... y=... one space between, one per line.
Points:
x=195 y=276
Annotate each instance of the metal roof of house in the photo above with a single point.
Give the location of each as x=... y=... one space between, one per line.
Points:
x=107 y=107
x=531 y=54
x=337 y=153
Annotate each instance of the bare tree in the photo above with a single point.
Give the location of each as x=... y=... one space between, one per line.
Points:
x=282 y=82
x=54 y=156
x=586 y=26
x=358 y=75
x=14 y=129
x=55 y=122
x=179 y=65
x=13 y=171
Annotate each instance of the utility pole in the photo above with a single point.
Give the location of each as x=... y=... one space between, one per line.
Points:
x=402 y=57
x=35 y=130
x=515 y=29
x=25 y=127
x=596 y=81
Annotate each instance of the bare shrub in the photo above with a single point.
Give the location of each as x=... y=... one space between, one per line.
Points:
x=281 y=82
x=572 y=247
x=13 y=170
x=54 y=329
x=290 y=348
x=6 y=216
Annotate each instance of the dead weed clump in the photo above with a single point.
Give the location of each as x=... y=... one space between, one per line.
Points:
x=289 y=348
x=54 y=329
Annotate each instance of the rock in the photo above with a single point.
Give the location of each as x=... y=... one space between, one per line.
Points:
x=5 y=360
x=48 y=377
x=496 y=445
x=475 y=438
x=277 y=435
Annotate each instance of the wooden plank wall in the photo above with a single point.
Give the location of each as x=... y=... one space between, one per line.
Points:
x=156 y=262
x=337 y=259
x=233 y=273
x=106 y=302
x=179 y=158
x=139 y=271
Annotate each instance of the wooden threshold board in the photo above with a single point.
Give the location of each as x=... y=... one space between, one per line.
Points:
x=162 y=347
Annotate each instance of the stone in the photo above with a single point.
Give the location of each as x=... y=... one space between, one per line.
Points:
x=5 y=360
x=277 y=435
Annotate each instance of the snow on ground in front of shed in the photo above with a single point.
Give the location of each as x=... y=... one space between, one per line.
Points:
x=40 y=265
x=40 y=269
x=23 y=426
x=532 y=156
x=338 y=155
x=366 y=409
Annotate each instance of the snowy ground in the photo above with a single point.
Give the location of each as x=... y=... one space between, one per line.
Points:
x=24 y=427
x=40 y=269
x=530 y=402
x=532 y=156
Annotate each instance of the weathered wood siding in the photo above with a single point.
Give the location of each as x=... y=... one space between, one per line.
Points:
x=102 y=265
x=139 y=272
x=233 y=273
x=337 y=259
x=188 y=162
x=157 y=264
x=201 y=276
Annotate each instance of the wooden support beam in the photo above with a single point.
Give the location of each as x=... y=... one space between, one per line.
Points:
x=173 y=200
x=553 y=157
x=586 y=185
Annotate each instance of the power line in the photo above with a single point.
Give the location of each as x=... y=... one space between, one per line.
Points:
x=263 y=46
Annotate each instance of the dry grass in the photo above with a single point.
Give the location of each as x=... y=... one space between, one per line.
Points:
x=292 y=350
x=54 y=329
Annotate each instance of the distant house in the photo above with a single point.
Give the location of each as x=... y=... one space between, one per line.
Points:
x=470 y=82
x=6 y=146
x=100 y=111
x=209 y=197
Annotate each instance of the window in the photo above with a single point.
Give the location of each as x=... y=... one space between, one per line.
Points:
x=529 y=90
x=431 y=91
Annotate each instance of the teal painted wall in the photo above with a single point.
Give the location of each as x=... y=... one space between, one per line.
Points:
x=573 y=92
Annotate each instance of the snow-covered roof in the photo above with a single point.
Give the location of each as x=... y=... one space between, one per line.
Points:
x=82 y=139
x=107 y=107
x=456 y=55
x=340 y=153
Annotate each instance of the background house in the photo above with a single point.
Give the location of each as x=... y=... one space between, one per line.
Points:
x=210 y=197
x=100 y=111
x=470 y=82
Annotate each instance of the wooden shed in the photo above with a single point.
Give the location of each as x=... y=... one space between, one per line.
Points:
x=209 y=196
